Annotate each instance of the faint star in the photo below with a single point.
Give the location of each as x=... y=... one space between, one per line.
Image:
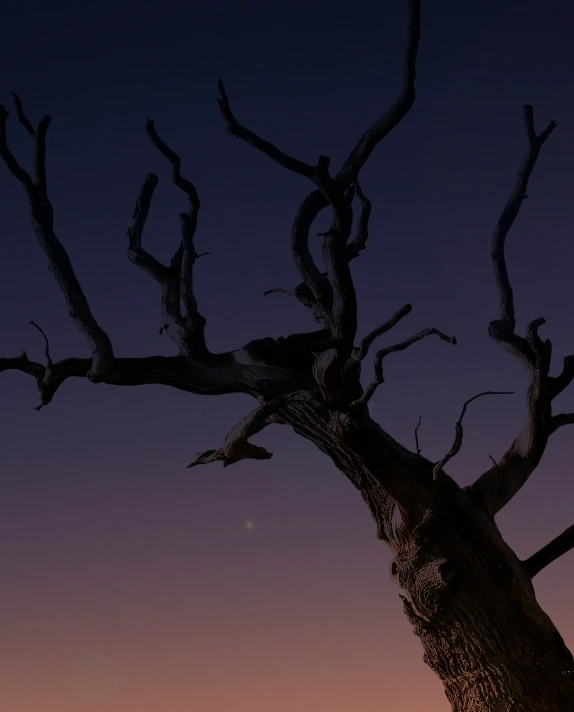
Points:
x=249 y=525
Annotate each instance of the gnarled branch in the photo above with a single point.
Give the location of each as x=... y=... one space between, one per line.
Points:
x=396 y=113
x=549 y=553
x=457 y=444
x=193 y=325
x=42 y=221
x=378 y=379
x=236 y=445
x=500 y=483
x=366 y=343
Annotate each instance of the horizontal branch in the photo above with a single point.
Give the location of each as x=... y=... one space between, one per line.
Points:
x=457 y=444
x=549 y=553
x=219 y=377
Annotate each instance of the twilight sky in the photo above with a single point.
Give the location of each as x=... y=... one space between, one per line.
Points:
x=130 y=584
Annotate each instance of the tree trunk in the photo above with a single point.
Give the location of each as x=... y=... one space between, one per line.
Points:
x=466 y=594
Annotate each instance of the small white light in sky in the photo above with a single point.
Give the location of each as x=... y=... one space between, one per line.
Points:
x=249 y=524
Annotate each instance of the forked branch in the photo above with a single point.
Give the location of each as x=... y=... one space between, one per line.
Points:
x=176 y=281
x=42 y=221
x=500 y=483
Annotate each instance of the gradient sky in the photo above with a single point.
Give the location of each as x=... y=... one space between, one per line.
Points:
x=130 y=584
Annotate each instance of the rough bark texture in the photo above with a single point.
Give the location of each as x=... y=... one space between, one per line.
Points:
x=470 y=600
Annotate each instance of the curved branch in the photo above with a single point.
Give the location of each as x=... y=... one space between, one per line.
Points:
x=47 y=350
x=366 y=343
x=359 y=242
x=397 y=112
x=42 y=221
x=559 y=420
x=239 y=131
x=500 y=483
x=549 y=553
x=559 y=383
x=378 y=379
x=166 y=277
x=180 y=279
x=459 y=432
x=510 y=213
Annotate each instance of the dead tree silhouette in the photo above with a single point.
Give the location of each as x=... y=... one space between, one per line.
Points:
x=469 y=598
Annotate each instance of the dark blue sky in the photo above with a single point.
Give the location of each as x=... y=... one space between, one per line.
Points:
x=96 y=503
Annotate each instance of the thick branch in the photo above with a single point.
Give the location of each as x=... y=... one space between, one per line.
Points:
x=499 y=484
x=42 y=221
x=236 y=445
x=215 y=375
x=459 y=432
x=378 y=379
x=560 y=382
x=549 y=553
x=559 y=420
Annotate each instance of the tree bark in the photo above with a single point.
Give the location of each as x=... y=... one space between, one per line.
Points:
x=468 y=597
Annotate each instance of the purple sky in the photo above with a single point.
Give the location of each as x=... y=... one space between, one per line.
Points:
x=111 y=552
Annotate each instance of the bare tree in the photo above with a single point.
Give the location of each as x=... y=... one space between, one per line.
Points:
x=469 y=598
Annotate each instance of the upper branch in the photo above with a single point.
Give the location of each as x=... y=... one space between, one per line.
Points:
x=166 y=277
x=509 y=215
x=378 y=379
x=393 y=116
x=176 y=281
x=549 y=553
x=500 y=483
x=366 y=343
x=42 y=221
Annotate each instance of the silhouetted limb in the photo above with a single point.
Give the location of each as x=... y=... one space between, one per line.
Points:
x=549 y=553
x=500 y=483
